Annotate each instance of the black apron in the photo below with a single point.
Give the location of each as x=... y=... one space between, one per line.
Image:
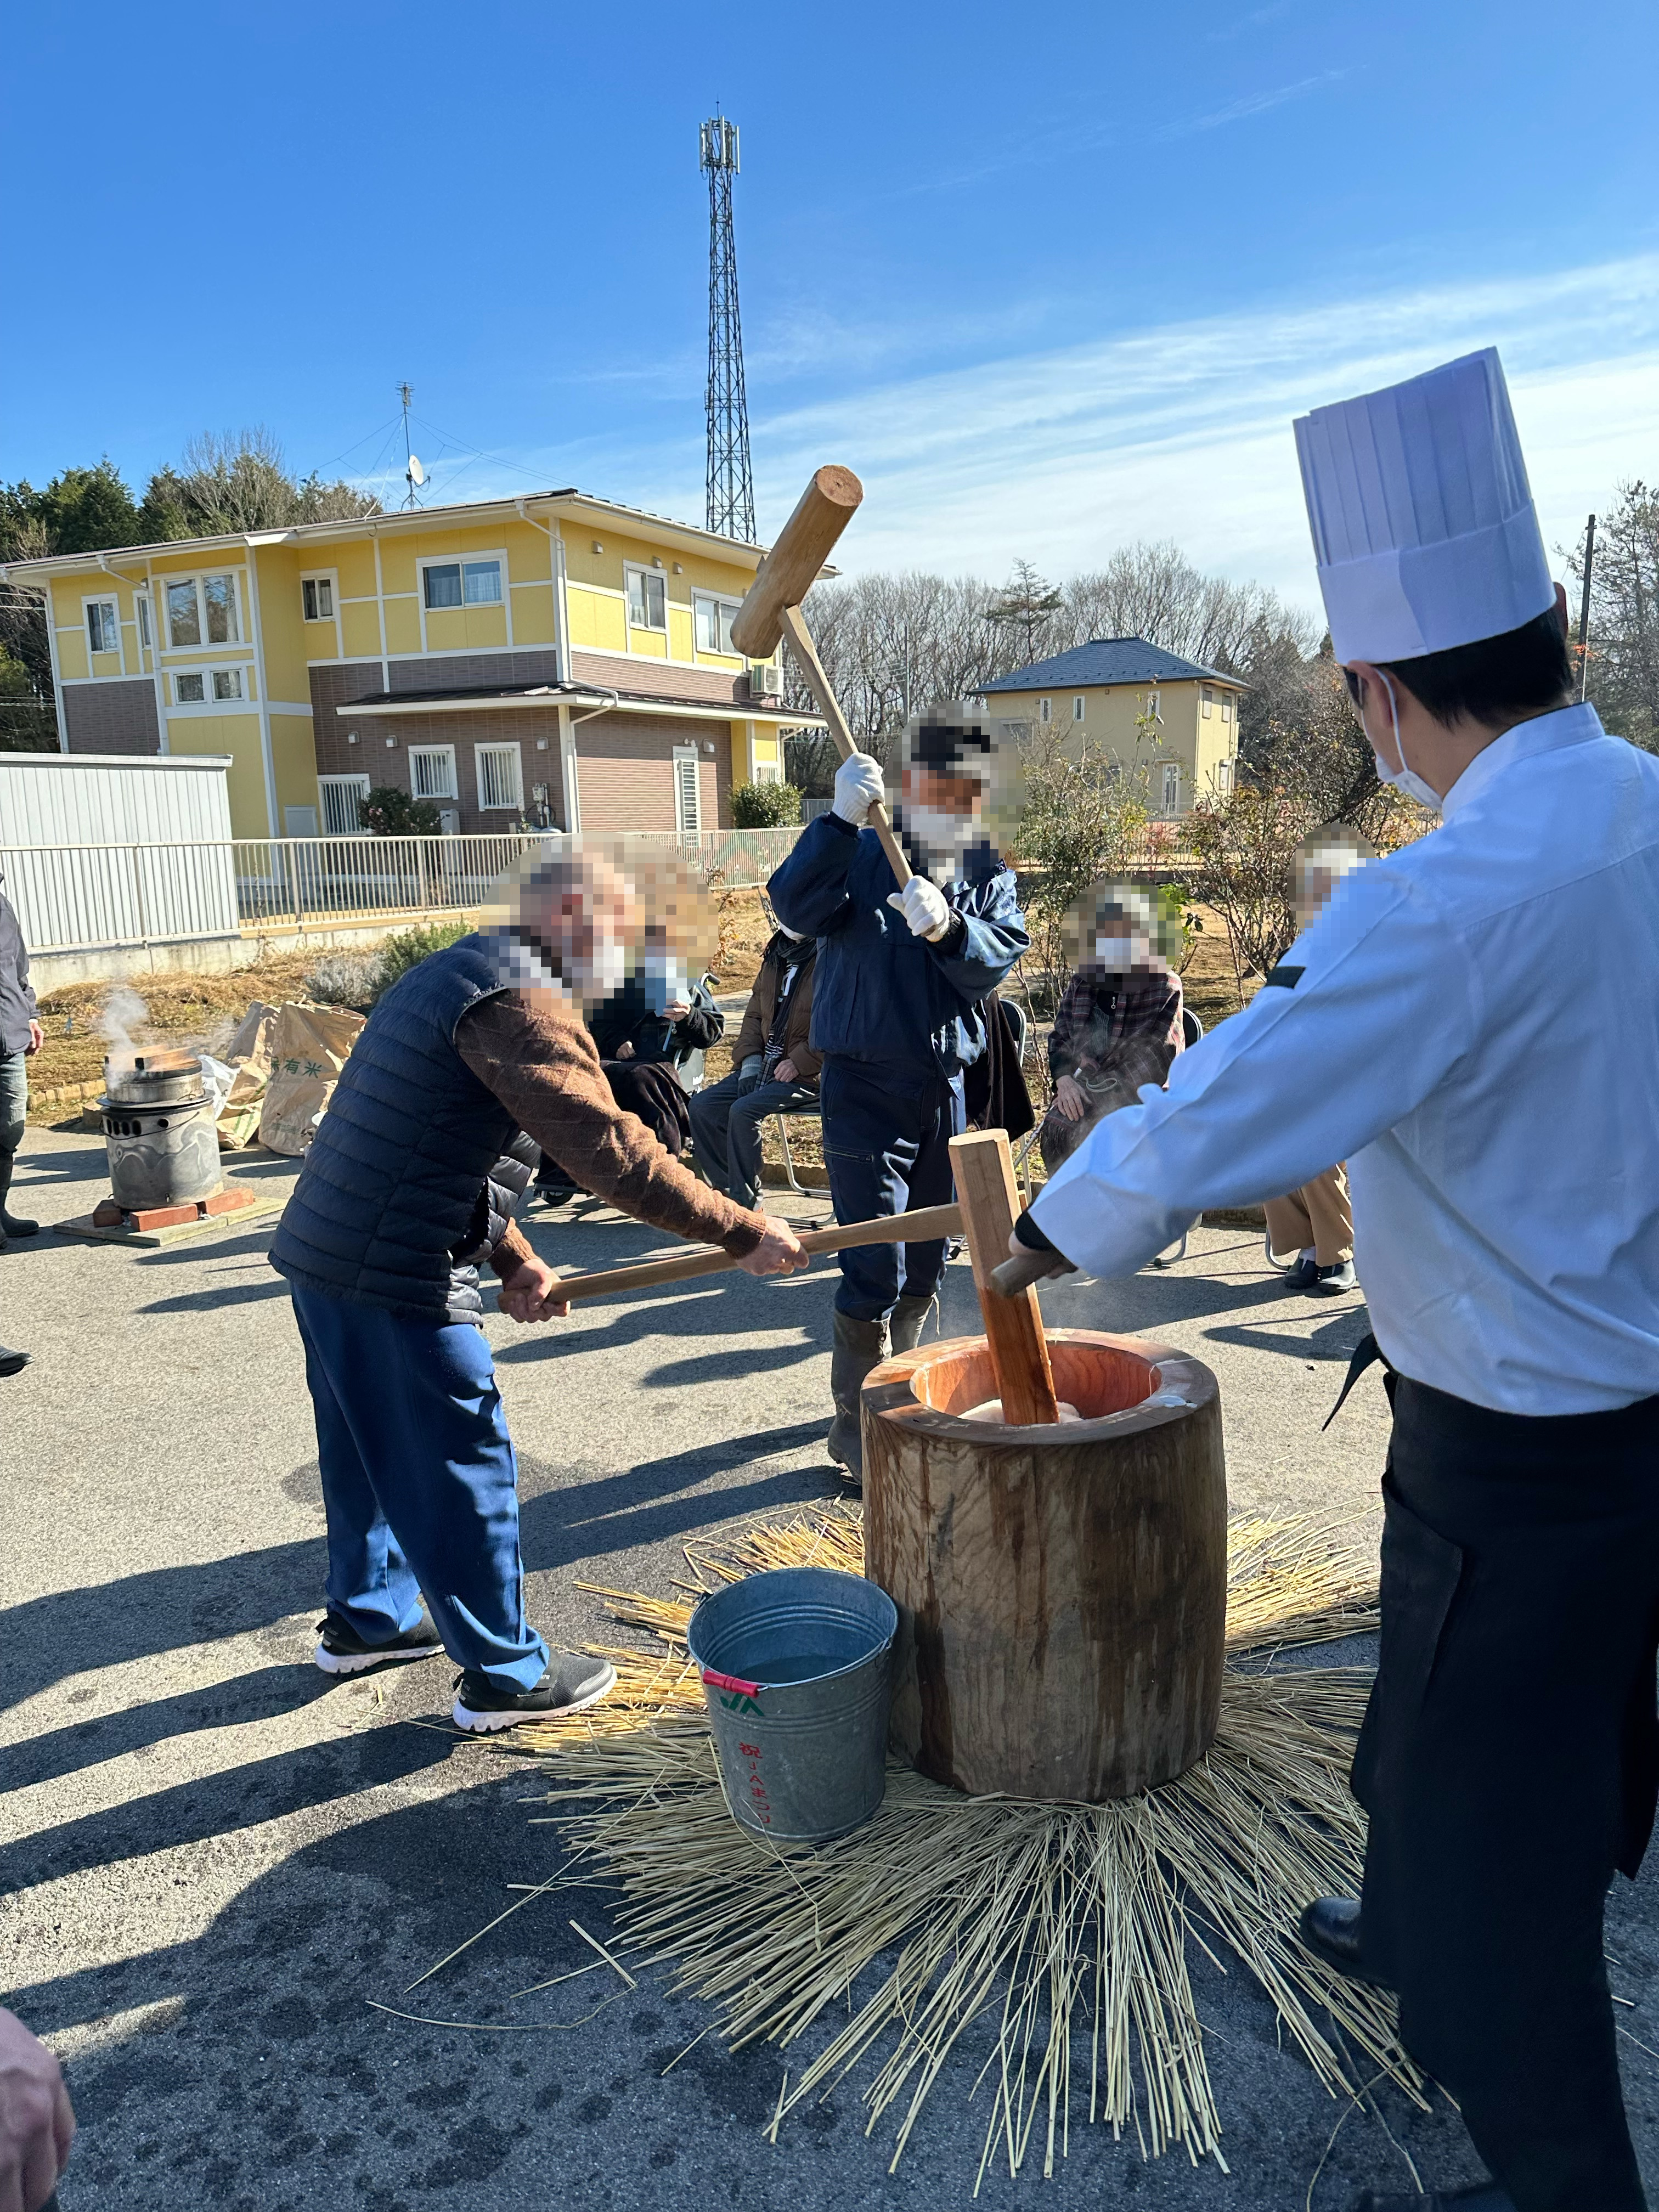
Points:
x=1509 y=1763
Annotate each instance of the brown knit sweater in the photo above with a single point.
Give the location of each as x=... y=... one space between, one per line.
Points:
x=539 y=1060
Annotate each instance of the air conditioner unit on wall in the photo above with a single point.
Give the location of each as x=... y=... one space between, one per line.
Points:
x=765 y=681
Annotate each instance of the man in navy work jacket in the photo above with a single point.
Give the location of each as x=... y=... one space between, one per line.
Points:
x=896 y=1013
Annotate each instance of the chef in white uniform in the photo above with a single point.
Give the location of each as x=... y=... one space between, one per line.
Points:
x=1472 y=1024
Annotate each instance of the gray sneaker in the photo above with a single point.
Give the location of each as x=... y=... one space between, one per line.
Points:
x=1339 y=1277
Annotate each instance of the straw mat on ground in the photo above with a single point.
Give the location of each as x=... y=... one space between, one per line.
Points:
x=1063 y=1926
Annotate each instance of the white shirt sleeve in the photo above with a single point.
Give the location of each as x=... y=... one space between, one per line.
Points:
x=1386 y=1002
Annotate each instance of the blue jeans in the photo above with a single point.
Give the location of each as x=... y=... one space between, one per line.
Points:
x=725 y=1128
x=420 y=1483
x=14 y=1099
x=886 y=1141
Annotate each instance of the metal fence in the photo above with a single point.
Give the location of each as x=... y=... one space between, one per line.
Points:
x=69 y=897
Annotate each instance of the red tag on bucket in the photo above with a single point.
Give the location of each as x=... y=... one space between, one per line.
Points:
x=730 y=1682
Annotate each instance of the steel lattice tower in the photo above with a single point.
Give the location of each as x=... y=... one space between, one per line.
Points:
x=731 y=502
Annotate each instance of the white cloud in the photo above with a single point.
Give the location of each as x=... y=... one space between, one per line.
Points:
x=1179 y=431
x=1183 y=431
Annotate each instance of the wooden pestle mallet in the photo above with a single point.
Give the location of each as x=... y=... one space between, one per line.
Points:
x=984 y=1169
x=771 y=610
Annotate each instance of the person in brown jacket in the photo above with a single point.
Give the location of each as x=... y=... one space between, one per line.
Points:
x=407 y=1189
x=773 y=1070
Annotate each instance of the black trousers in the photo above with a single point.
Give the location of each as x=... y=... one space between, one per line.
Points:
x=1509 y=1762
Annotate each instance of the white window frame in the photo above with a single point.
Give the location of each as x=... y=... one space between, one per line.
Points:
x=328 y=581
x=144 y=615
x=767 y=772
x=1152 y=708
x=208 y=675
x=1079 y=707
x=431 y=753
x=500 y=748
x=1226 y=706
x=1045 y=710
x=198 y=584
x=702 y=601
x=681 y=754
x=1171 y=786
x=337 y=784
x=461 y=562
x=1206 y=699
x=100 y=603
x=659 y=576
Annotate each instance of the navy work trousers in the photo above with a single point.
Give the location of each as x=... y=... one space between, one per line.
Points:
x=725 y=1128
x=420 y=1483
x=886 y=1144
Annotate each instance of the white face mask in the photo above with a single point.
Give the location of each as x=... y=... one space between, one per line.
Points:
x=1403 y=778
x=943 y=838
x=604 y=971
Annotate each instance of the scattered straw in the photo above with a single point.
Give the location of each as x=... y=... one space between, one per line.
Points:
x=1061 y=1930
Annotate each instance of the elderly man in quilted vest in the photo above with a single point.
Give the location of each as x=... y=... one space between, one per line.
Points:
x=476 y=1054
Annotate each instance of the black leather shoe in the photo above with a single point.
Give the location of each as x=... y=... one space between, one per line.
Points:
x=1330 y=1929
x=1481 y=2196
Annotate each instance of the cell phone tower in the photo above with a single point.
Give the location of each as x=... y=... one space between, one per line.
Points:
x=731 y=501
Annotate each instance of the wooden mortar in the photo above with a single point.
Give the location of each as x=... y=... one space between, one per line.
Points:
x=1062 y=1590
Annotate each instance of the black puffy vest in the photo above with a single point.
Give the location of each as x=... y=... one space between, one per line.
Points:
x=415 y=1166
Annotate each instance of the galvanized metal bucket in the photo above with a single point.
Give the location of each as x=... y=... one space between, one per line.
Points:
x=797 y=1667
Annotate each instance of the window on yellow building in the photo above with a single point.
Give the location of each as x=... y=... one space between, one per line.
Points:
x=226 y=682
x=141 y=608
x=1152 y=708
x=647 y=600
x=1045 y=710
x=190 y=687
x=202 y=611
x=1080 y=707
x=103 y=626
x=317 y=593
x=1171 y=787
x=463 y=583
x=714 y=619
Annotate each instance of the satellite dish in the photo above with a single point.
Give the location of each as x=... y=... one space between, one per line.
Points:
x=417 y=473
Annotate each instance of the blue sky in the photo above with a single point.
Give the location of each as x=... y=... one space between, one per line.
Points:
x=1050 y=278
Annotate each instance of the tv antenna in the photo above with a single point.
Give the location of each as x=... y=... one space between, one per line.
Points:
x=730 y=484
x=414 y=473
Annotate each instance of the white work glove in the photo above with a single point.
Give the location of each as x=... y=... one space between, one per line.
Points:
x=923 y=905
x=858 y=787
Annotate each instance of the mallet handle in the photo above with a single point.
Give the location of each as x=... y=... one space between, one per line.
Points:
x=800 y=639
x=925 y=1226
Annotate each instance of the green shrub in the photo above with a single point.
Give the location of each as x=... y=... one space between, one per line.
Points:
x=390 y=812
x=410 y=946
x=765 y=806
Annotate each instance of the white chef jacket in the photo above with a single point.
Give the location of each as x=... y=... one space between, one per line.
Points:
x=1472 y=1023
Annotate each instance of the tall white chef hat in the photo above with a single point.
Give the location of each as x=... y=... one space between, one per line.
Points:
x=1423 y=521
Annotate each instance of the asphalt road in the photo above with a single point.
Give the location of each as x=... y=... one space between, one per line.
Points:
x=214 y=1859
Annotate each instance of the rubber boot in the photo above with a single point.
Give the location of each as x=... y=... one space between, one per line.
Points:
x=10 y=1224
x=909 y=1318
x=858 y=1347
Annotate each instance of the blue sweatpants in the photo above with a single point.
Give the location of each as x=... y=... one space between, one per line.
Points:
x=420 y=1482
x=886 y=1144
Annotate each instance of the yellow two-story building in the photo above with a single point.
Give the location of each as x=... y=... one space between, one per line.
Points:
x=553 y=659
x=1170 y=721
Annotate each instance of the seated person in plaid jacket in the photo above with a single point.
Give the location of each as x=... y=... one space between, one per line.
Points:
x=1118 y=1024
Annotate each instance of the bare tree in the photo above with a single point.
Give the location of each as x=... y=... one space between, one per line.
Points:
x=1623 y=633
